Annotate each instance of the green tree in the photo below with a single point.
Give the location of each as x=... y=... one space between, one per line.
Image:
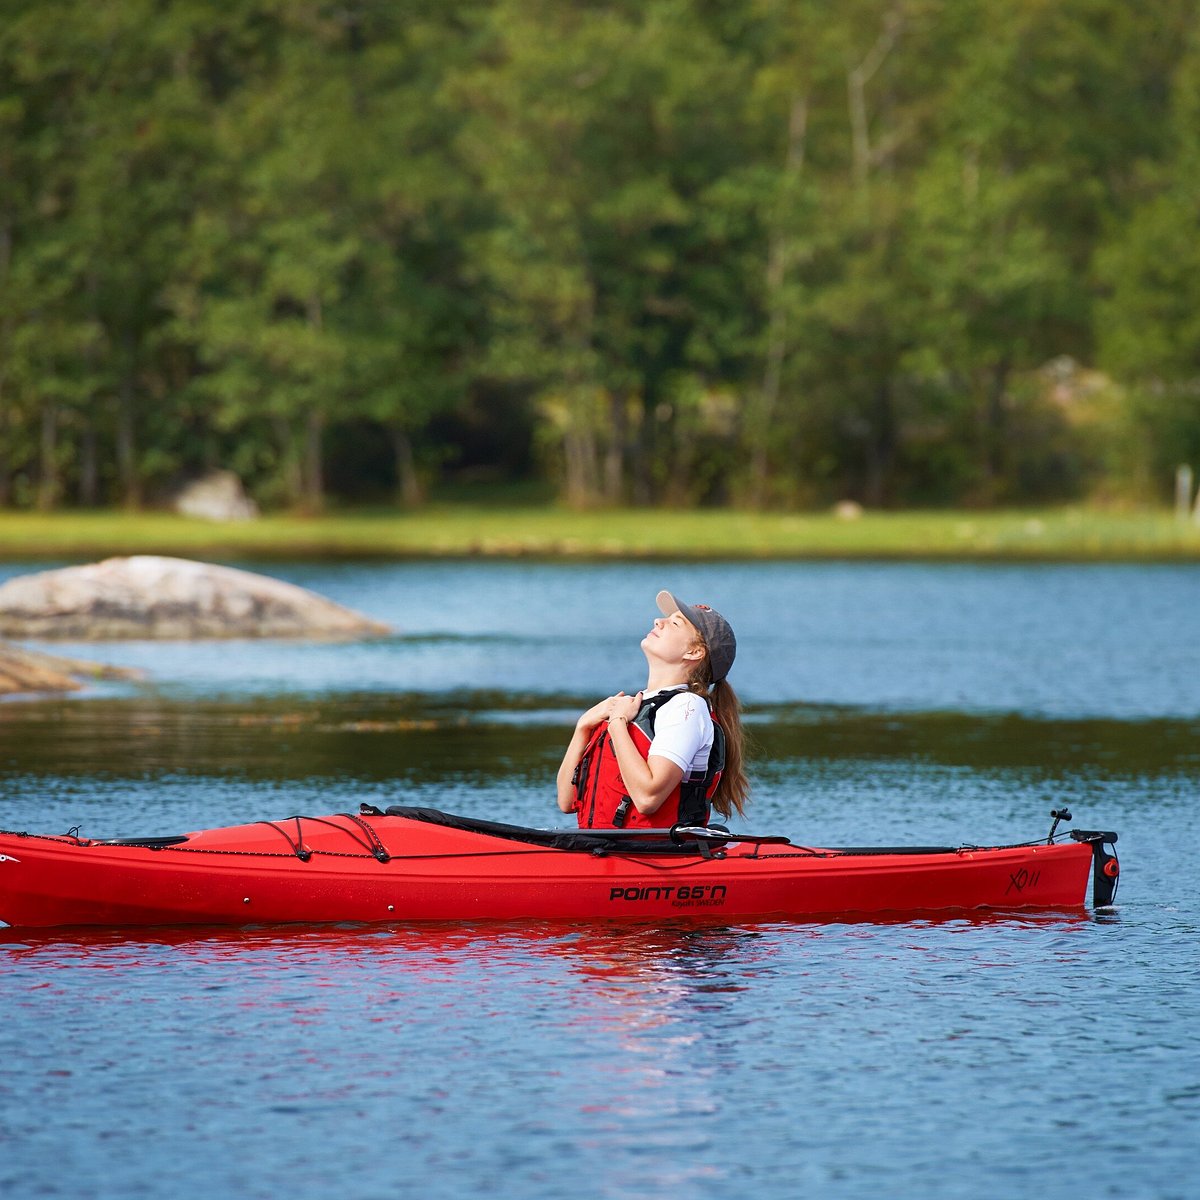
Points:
x=113 y=144
x=1150 y=320
x=323 y=282
x=600 y=133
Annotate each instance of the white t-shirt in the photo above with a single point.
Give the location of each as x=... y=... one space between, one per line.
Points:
x=683 y=732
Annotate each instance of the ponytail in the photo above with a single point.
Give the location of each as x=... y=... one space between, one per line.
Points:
x=733 y=789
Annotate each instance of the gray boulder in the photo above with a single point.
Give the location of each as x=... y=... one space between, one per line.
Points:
x=23 y=670
x=147 y=596
x=217 y=496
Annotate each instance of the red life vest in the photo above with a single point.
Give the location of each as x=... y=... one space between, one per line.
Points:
x=601 y=798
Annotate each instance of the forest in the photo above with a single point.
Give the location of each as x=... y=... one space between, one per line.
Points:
x=760 y=253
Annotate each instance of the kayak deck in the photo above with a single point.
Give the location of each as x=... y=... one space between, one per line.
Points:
x=413 y=864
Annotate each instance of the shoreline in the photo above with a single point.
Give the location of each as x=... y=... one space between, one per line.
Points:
x=473 y=531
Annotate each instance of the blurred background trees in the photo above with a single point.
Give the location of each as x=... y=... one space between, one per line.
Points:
x=761 y=252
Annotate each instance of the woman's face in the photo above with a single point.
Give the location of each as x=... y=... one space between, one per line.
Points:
x=673 y=639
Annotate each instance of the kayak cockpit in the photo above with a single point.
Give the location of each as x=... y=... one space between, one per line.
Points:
x=679 y=839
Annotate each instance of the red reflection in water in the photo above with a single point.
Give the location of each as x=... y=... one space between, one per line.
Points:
x=632 y=946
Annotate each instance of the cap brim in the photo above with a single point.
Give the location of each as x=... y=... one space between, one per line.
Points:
x=667 y=604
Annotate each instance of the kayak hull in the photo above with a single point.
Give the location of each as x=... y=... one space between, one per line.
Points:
x=381 y=868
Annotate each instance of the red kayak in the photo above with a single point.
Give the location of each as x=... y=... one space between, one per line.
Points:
x=418 y=864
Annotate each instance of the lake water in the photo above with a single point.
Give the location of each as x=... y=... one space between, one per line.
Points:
x=968 y=1057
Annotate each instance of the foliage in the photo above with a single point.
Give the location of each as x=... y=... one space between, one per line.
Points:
x=760 y=252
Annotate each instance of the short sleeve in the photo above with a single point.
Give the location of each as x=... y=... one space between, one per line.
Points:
x=683 y=733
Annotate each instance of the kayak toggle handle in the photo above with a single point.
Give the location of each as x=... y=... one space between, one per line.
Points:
x=1059 y=814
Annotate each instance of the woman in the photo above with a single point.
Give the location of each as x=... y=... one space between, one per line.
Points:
x=668 y=754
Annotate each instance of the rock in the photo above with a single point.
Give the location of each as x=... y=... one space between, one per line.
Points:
x=217 y=496
x=24 y=670
x=151 y=597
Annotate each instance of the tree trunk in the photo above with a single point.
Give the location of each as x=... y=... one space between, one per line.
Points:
x=778 y=256
x=312 y=483
x=5 y=472
x=408 y=486
x=614 y=457
x=581 y=457
x=579 y=450
x=48 y=482
x=678 y=491
x=290 y=472
x=857 y=79
x=89 y=472
x=314 y=476
x=995 y=463
x=881 y=446
x=131 y=484
x=642 y=453
x=5 y=326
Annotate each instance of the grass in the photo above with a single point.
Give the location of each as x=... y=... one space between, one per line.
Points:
x=466 y=530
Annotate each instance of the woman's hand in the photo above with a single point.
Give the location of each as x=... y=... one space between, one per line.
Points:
x=602 y=711
x=624 y=707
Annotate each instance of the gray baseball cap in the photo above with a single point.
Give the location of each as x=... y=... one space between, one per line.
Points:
x=714 y=629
